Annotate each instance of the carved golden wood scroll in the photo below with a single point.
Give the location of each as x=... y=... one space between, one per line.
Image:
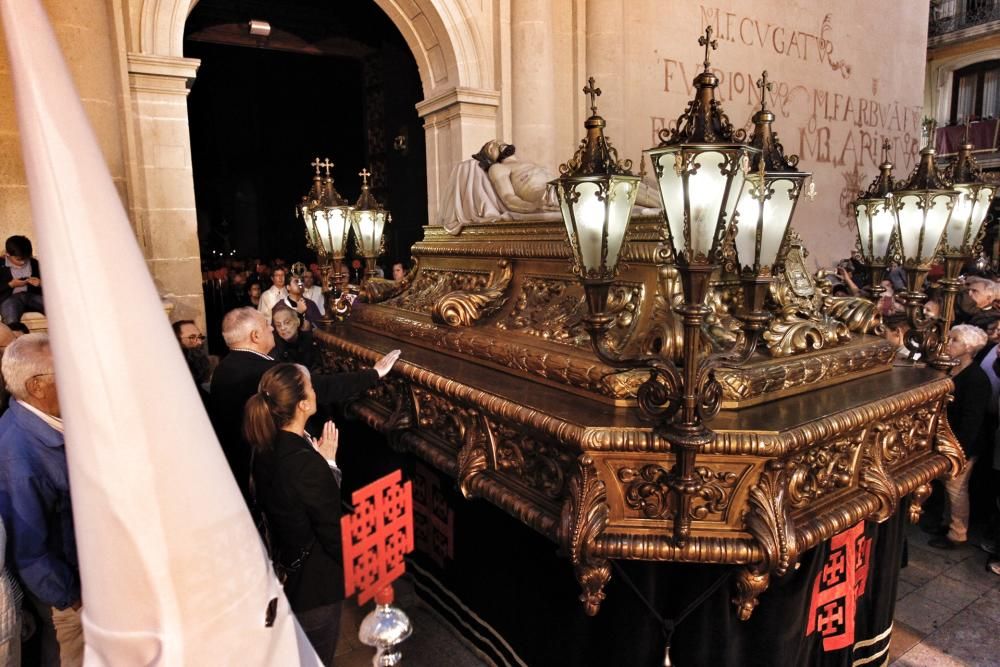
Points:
x=584 y=516
x=462 y=308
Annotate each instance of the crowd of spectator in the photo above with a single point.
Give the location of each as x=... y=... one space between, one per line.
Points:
x=973 y=414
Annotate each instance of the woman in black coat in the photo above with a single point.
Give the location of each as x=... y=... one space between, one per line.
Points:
x=297 y=486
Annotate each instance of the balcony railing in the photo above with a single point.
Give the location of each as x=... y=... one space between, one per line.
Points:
x=953 y=15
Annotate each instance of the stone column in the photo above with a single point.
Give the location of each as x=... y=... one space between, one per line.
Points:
x=164 y=203
x=457 y=123
x=533 y=81
x=606 y=62
x=85 y=35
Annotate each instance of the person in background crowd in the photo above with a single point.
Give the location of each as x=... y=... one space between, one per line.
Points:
x=977 y=308
x=356 y=271
x=261 y=274
x=274 y=294
x=896 y=325
x=293 y=345
x=932 y=307
x=35 y=499
x=297 y=484
x=199 y=361
x=313 y=292
x=250 y=339
x=253 y=295
x=20 y=281
x=295 y=300
x=398 y=271
x=965 y=415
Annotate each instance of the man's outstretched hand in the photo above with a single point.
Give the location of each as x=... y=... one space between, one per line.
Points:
x=384 y=365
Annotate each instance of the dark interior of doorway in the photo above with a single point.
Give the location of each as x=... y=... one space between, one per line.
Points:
x=333 y=80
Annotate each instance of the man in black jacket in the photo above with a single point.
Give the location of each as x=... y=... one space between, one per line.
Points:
x=250 y=340
x=20 y=281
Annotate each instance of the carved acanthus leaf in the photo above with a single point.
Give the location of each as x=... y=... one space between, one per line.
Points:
x=770 y=522
x=858 y=314
x=584 y=518
x=376 y=290
x=474 y=456
x=462 y=308
x=946 y=444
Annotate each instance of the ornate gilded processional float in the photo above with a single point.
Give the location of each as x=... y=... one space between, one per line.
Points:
x=818 y=428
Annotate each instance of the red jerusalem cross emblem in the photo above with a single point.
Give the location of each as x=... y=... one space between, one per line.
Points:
x=837 y=587
x=377 y=536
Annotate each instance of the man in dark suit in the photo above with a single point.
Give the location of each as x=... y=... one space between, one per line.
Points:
x=250 y=340
x=20 y=281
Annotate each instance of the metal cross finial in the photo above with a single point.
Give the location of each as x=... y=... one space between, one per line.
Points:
x=364 y=174
x=594 y=93
x=326 y=164
x=316 y=163
x=765 y=87
x=707 y=41
x=886 y=147
x=930 y=125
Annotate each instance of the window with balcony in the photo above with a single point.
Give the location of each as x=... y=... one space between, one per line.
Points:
x=976 y=92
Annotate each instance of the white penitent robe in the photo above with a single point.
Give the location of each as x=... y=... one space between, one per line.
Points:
x=172 y=569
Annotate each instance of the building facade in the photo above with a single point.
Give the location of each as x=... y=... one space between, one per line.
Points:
x=513 y=70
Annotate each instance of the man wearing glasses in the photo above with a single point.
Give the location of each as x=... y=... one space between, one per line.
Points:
x=35 y=498
x=199 y=361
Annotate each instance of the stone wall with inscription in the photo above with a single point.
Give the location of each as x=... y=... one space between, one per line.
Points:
x=846 y=75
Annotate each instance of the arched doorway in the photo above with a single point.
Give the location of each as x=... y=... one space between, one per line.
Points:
x=459 y=110
x=331 y=80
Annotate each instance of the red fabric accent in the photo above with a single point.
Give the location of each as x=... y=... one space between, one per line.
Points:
x=377 y=535
x=838 y=586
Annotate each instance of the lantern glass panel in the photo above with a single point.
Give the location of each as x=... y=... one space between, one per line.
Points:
x=621 y=200
x=911 y=220
x=980 y=209
x=938 y=213
x=589 y=213
x=706 y=189
x=864 y=230
x=363 y=223
x=748 y=218
x=671 y=187
x=777 y=215
x=883 y=222
x=332 y=227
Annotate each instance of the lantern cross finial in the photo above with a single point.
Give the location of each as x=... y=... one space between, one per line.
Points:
x=886 y=147
x=930 y=125
x=364 y=174
x=317 y=164
x=707 y=41
x=765 y=87
x=594 y=93
x=326 y=164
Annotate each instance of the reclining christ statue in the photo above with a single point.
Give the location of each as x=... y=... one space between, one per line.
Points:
x=494 y=185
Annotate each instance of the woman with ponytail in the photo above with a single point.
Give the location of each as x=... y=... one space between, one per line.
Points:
x=297 y=486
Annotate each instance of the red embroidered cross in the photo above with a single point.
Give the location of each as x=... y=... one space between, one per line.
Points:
x=837 y=587
x=377 y=536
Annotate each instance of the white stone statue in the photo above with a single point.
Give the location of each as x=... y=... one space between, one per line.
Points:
x=494 y=185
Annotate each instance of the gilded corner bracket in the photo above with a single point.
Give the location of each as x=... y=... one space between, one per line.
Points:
x=584 y=518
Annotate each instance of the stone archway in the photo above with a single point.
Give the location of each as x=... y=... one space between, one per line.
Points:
x=460 y=112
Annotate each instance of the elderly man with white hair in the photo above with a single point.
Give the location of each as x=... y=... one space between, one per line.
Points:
x=977 y=307
x=35 y=498
x=250 y=340
x=966 y=415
